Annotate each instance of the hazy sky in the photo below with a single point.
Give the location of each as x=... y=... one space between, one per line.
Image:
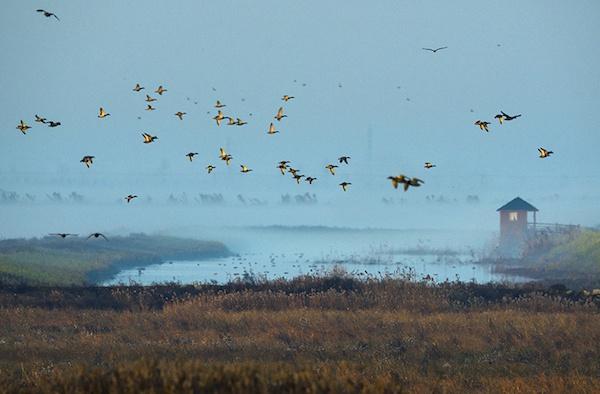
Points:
x=538 y=58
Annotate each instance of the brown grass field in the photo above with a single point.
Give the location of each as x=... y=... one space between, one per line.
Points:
x=308 y=335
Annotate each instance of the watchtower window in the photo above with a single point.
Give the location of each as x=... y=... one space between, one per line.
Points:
x=513 y=216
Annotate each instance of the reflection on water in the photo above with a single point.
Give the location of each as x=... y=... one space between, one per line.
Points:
x=275 y=253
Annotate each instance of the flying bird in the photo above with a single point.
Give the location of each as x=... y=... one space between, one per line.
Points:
x=209 y=168
x=130 y=197
x=500 y=118
x=87 y=160
x=287 y=98
x=230 y=121
x=149 y=99
x=298 y=178
x=415 y=182
x=483 y=126
x=345 y=185
x=434 y=50
x=272 y=129
x=396 y=180
x=148 y=138
x=180 y=114
x=160 y=90
x=544 y=153
x=429 y=165
x=191 y=155
x=48 y=14
x=508 y=117
x=219 y=117
x=344 y=159
x=53 y=124
x=227 y=159
x=137 y=87
x=40 y=119
x=240 y=122
x=331 y=168
x=150 y=108
x=219 y=105
x=282 y=167
x=102 y=113
x=63 y=235
x=23 y=127
x=97 y=235
x=244 y=169
x=222 y=153
x=280 y=114
x=310 y=179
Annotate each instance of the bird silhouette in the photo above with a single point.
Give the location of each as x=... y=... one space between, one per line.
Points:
x=53 y=124
x=310 y=179
x=102 y=113
x=508 y=117
x=429 y=165
x=298 y=177
x=87 y=160
x=280 y=114
x=345 y=185
x=344 y=159
x=219 y=105
x=63 y=235
x=331 y=168
x=191 y=155
x=396 y=180
x=97 y=235
x=544 y=153
x=39 y=119
x=23 y=127
x=230 y=121
x=287 y=98
x=148 y=139
x=130 y=197
x=434 y=50
x=180 y=114
x=150 y=108
x=209 y=168
x=137 y=87
x=240 y=122
x=244 y=169
x=219 y=117
x=150 y=99
x=272 y=129
x=48 y=14
x=160 y=90
x=282 y=167
x=415 y=182
x=483 y=126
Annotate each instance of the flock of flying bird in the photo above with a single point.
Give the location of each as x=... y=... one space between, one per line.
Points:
x=283 y=166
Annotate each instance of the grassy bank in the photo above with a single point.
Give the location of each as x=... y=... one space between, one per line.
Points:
x=331 y=334
x=75 y=260
x=572 y=259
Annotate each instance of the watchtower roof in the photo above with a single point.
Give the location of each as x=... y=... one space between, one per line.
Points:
x=518 y=204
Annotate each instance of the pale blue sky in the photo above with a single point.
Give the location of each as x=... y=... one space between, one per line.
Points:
x=538 y=58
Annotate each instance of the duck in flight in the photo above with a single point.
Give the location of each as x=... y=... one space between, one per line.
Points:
x=130 y=197
x=272 y=129
x=544 y=153
x=293 y=171
x=500 y=118
x=180 y=114
x=344 y=159
x=219 y=117
x=298 y=178
x=149 y=99
x=102 y=113
x=434 y=50
x=345 y=185
x=282 y=167
x=191 y=155
x=508 y=117
x=287 y=98
x=148 y=138
x=280 y=114
x=209 y=168
x=40 y=119
x=396 y=180
x=219 y=105
x=87 y=160
x=48 y=14
x=429 y=165
x=63 y=235
x=160 y=90
x=415 y=182
x=240 y=122
x=310 y=180
x=483 y=126
x=150 y=108
x=23 y=127
x=230 y=121
x=331 y=168
x=244 y=169
x=53 y=124
x=137 y=87
x=97 y=235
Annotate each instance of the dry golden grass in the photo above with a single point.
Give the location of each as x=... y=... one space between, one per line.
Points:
x=382 y=336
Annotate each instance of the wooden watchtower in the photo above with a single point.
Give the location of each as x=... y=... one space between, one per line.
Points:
x=514 y=226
